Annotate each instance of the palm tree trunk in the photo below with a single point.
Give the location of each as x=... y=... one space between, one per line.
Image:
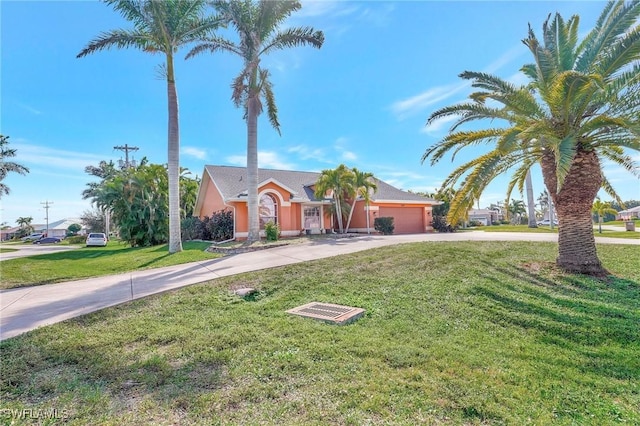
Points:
x=530 y=201
x=353 y=206
x=252 y=170
x=173 y=164
x=576 y=242
x=338 y=210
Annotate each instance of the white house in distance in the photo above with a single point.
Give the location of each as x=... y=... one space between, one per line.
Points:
x=58 y=228
x=629 y=214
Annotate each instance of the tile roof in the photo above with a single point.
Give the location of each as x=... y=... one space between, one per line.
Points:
x=232 y=183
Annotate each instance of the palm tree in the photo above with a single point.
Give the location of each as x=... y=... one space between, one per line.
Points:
x=581 y=107
x=258 y=28
x=25 y=224
x=338 y=181
x=161 y=26
x=601 y=208
x=8 y=166
x=362 y=183
x=516 y=209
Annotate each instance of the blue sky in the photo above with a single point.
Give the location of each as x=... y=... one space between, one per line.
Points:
x=362 y=100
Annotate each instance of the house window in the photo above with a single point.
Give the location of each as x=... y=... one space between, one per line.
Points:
x=268 y=210
x=311 y=217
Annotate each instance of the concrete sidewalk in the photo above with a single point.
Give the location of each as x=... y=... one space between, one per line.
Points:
x=27 y=308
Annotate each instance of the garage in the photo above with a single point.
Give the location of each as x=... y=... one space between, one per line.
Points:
x=407 y=220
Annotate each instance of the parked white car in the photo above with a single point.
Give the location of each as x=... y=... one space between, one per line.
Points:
x=33 y=237
x=547 y=222
x=96 y=239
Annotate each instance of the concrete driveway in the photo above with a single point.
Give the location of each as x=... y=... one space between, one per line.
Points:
x=27 y=308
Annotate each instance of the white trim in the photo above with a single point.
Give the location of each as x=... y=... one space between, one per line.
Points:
x=283 y=203
x=372 y=208
x=272 y=180
x=321 y=215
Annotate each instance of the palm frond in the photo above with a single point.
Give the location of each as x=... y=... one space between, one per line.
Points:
x=272 y=108
x=293 y=37
x=120 y=39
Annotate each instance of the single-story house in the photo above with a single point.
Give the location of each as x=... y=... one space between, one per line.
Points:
x=9 y=233
x=484 y=216
x=57 y=228
x=287 y=197
x=629 y=214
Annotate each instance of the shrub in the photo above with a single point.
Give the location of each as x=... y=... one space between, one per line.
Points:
x=440 y=224
x=475 y=223
x=272 y=231
x=384 y=225
x=220 y=225
x=190 y=228
x=76 y=239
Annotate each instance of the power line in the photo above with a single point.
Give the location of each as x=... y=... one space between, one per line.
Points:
x=126 y=148
x=47 y=206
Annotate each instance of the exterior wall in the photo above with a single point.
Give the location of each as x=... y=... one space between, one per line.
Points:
x=212 y=201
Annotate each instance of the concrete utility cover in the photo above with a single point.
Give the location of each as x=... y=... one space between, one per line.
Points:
x=247 y=291
x=334 y=314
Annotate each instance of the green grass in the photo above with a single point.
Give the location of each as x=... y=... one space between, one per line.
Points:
x=89 y=262
x=547 y=230
x=454 y=333
x=7 y=250
x=518 y=228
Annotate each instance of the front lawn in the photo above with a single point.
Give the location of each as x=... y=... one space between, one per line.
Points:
x=454 y=333
x=89 y=262
x=547 y=230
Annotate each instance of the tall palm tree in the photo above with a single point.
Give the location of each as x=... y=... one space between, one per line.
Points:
x=581 y=107
x=161 y=26
x=338 y=181
x=601 y=208
x=258 y=27
x=7 y=167
x=362 y=183
x=531 y=205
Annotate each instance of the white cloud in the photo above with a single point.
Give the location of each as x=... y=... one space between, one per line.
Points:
x=30 y=109
x=266 y=159
x=349 y=156
x=509 y=56
x=518 y=79
x=418 y=103
x=28 y=154
x=191 y=151
x=304 y=152
x=438 y=125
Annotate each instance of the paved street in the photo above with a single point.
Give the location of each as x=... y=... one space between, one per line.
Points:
x=24 y=309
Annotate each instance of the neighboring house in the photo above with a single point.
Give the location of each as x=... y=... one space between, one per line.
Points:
x=287 y=197
x=484 y=216
x=58 y=228
x=9 y=233
x=632 y=213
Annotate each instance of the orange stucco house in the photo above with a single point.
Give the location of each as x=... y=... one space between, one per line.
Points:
x=287 y=198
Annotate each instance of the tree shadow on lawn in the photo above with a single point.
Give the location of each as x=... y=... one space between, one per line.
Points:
x=598 y=322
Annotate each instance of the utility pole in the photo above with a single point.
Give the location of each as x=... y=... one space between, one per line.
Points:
x=47 y=205
x=126 y=148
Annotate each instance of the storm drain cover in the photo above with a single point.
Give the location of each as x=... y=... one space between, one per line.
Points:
x=334 y=314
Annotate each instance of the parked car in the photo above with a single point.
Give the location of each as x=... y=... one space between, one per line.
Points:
x=33 y=237
x=48 y=240
x=547 y=222
x=96 y=239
